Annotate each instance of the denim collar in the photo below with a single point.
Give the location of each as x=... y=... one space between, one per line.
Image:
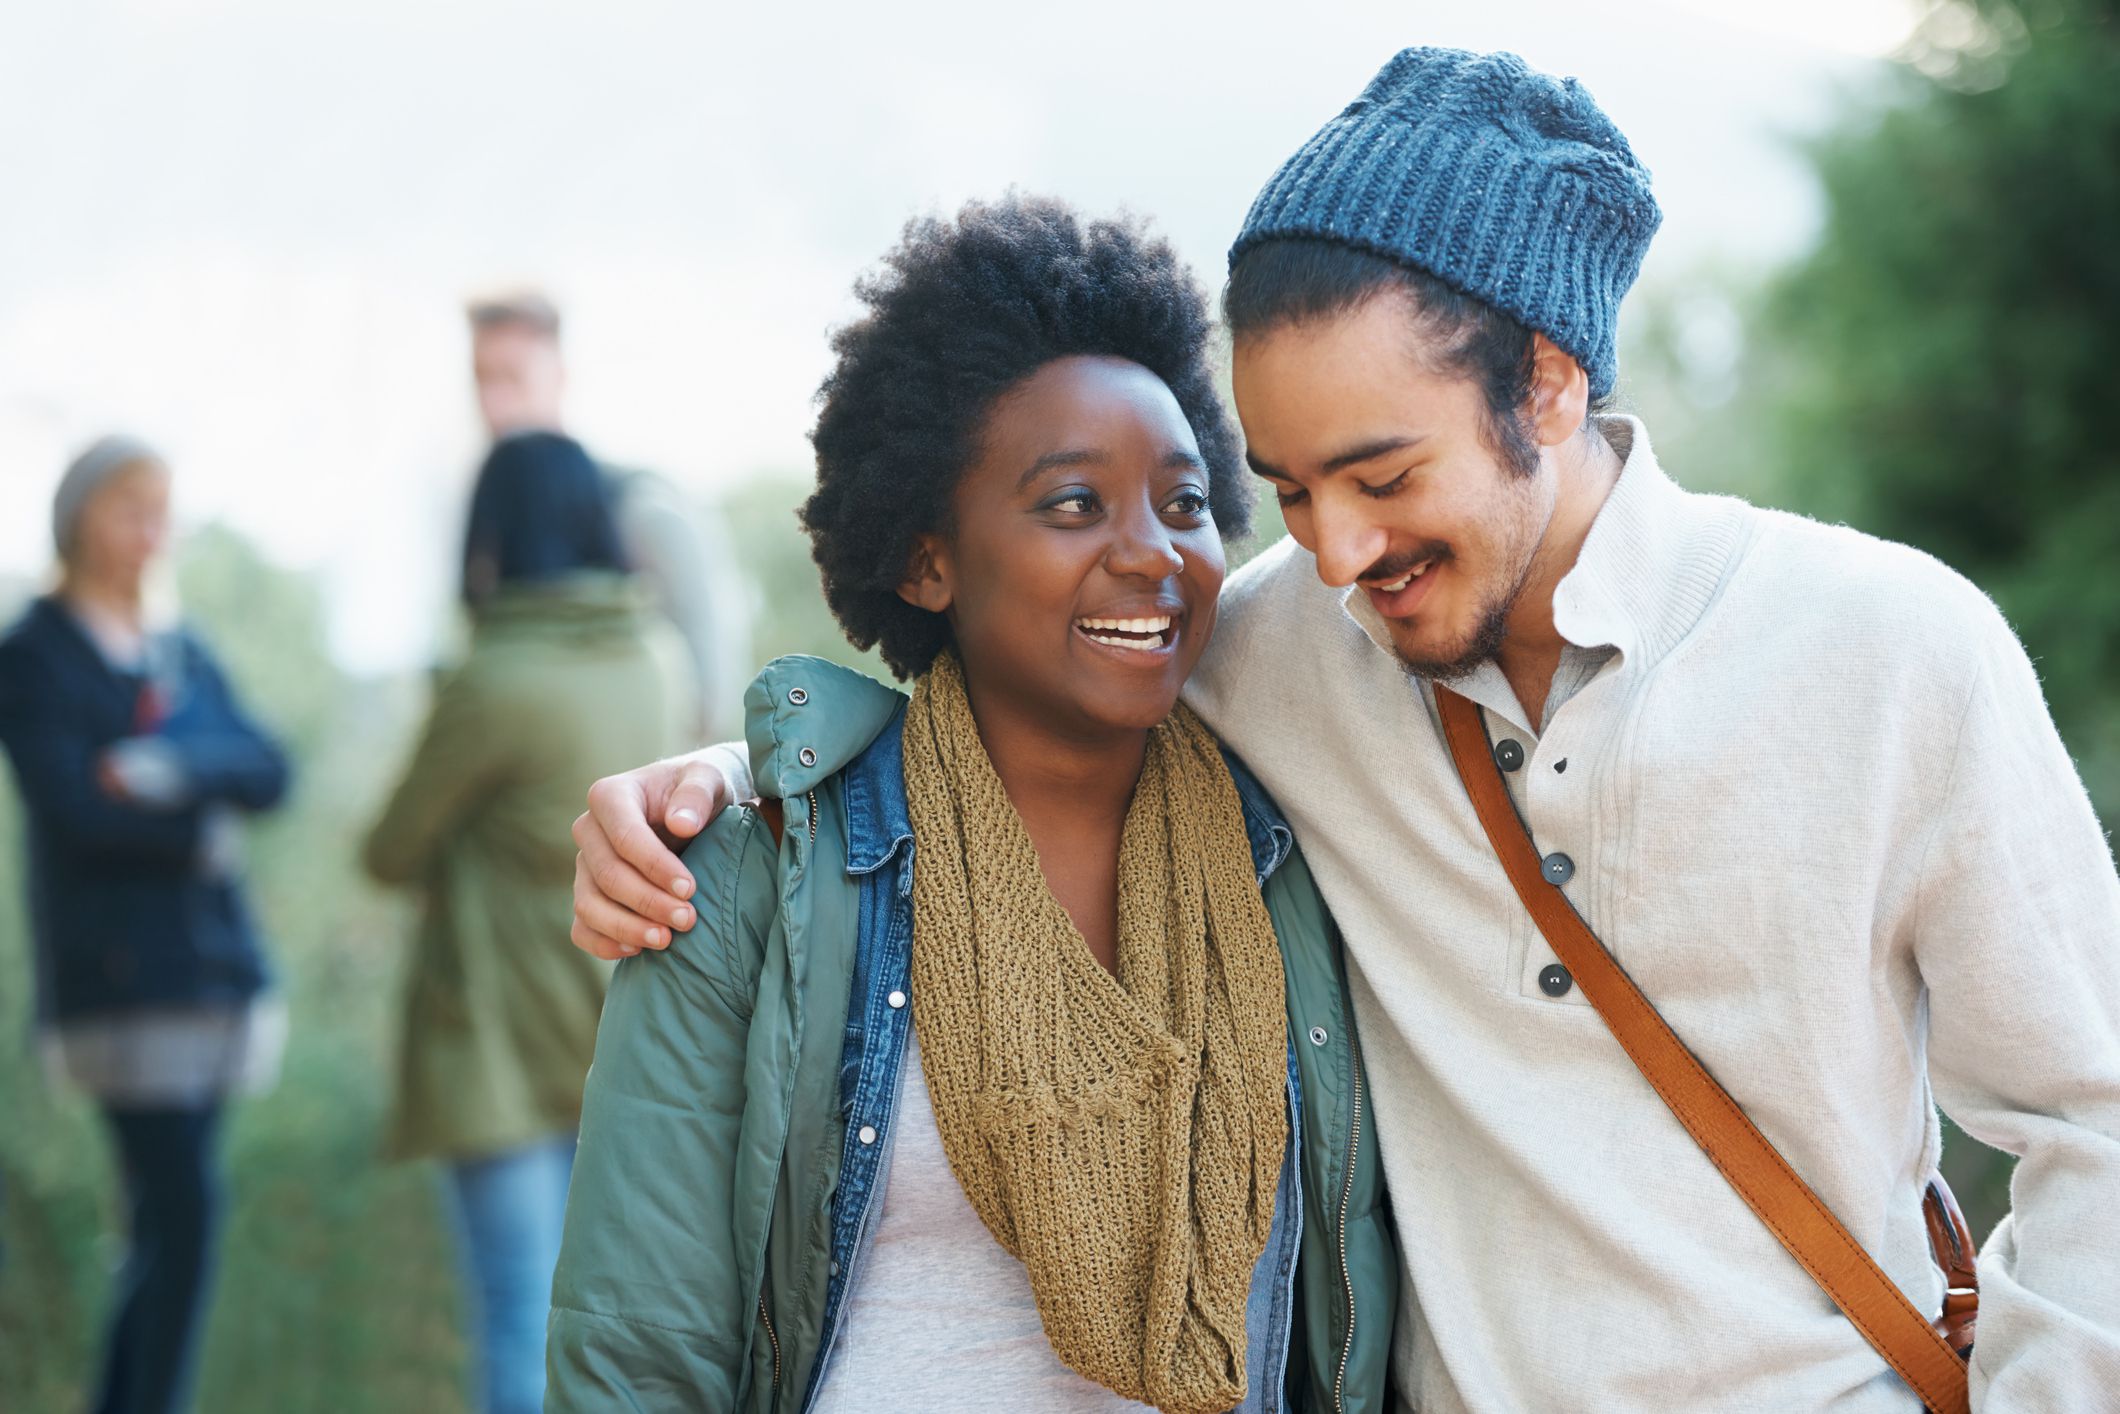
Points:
x=1266 y=829
x=878 y=825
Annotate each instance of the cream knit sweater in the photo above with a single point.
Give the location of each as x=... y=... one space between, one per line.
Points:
x=1817 y=808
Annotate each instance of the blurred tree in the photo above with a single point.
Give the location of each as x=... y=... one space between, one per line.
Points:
x=1938 y=370
x=790 y=614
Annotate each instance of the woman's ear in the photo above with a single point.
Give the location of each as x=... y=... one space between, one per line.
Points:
x=1560 y=393
x=927 y=576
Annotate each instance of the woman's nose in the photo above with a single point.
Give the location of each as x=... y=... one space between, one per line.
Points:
x=1141 y=548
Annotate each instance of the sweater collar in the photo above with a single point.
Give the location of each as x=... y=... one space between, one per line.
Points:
x=1653 y=560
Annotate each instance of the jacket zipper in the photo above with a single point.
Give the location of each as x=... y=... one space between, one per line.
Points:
x=813 y=816
x=767 y=1317
x=1354 y=1150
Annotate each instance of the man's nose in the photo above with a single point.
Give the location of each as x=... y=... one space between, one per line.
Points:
x=1347 y=543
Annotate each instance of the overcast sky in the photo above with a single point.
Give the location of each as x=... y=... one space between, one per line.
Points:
x=244 y=228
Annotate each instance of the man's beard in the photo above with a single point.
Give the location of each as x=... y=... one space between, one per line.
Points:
x=1485 y=642
x=1492 y=629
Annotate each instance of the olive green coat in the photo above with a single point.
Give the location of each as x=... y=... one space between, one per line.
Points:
x=564 y=682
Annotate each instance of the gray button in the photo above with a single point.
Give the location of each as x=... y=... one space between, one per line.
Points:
x=867 y=1134
x=1508 y=754
x=896 y=999
x=1318 y=1036
x=835 y=1269
x=798 y=695
x=1558 y=868
x=806 y=756
x=1555 y=981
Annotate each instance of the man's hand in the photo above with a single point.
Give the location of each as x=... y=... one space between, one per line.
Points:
x=629 y=886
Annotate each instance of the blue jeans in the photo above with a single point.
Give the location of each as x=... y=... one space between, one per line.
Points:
x=172 y=1201
x=510 y=1210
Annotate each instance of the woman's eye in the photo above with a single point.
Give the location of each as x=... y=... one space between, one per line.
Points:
x=1389 y=488
x=1077 y=502
x=1189 y=502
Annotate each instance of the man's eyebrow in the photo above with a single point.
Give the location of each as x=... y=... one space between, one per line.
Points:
x=1368 y=451
x=1353 y=456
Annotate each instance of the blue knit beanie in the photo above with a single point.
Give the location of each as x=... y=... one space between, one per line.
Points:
x=1507 y=184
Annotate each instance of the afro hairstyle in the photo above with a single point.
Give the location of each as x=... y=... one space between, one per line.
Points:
x=959 y=313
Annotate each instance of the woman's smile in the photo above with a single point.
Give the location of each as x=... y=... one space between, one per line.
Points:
x=1141 y=636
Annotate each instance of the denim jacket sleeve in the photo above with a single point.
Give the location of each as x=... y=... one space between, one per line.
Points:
x=647 y=1307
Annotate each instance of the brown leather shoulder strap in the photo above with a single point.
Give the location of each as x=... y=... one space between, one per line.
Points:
x=1782 y=1200
x=775 y=817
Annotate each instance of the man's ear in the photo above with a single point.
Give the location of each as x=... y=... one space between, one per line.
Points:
x=927 y=576
x=1560 y=393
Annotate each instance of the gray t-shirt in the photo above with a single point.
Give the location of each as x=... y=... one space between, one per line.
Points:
x=941 y=1319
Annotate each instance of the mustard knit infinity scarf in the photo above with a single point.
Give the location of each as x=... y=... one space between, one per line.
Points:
x=1120 y=1136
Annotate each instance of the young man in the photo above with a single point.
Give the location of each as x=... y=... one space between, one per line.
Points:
x=678 y=551
x=1801 y=782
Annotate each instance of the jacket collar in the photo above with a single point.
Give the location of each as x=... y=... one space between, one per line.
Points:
x=1264 y=826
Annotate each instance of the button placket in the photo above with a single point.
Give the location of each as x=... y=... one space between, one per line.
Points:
x=1556 y=806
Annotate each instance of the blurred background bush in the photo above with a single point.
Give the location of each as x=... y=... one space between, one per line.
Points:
x=1932 y=366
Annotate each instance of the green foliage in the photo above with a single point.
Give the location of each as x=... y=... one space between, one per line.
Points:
x=790 y=615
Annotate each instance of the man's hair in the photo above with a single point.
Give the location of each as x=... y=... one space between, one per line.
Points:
x=1300 y=280
x=960 y=313
x=514 y=309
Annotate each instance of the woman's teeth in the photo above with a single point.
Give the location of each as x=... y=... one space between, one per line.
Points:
x=1126 y=633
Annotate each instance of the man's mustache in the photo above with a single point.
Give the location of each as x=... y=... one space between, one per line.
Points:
x=1395 y=566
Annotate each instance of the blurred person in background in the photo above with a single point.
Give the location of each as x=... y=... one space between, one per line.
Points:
x=135 y=761
x=676 y=547
x=568 y=677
